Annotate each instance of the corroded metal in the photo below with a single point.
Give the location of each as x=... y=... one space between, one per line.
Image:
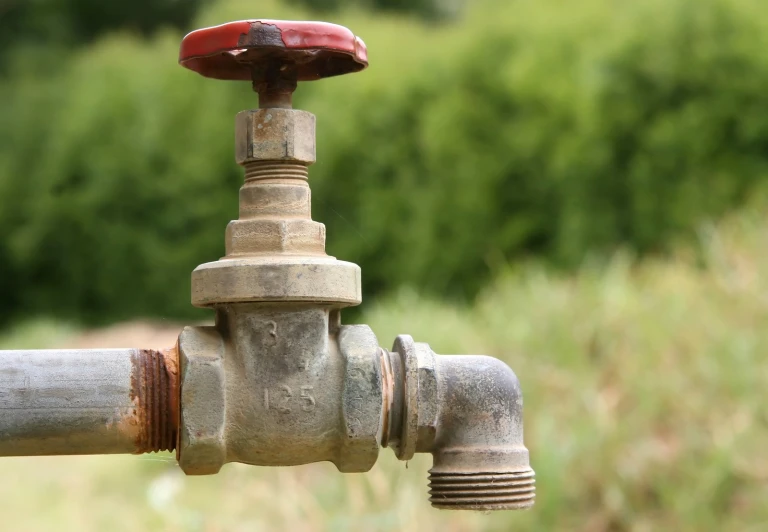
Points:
x=271 y=134
x=155 y=392
x=99 y=401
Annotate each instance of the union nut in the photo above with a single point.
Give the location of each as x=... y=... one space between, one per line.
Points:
x=420 y=405
x=275 y=134
x=202 y=445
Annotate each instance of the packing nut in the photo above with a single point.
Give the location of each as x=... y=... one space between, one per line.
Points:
x=274 y=134
x=300 y=237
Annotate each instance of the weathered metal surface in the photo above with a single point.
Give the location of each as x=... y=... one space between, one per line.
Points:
x=480 y=424
x=281 y=390
x=88 y=401
x=467 y=410
x=407 y=433
x=503 y=491
x=155 y=392
x=362 y=399
x=284 y=371
x=293 y=279
x=201 y=450
x=273 y=134
x=292 y=391
x=275 y=251
x=428 y=403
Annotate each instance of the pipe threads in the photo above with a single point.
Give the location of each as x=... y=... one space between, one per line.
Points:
x=156 y=396
x=482 y=490
x=260 y=170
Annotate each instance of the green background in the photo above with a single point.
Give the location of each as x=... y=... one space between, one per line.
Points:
x=577 y=188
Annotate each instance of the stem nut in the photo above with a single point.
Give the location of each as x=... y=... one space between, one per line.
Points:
x=274 y=134
x=362 y=399
x=202 y=445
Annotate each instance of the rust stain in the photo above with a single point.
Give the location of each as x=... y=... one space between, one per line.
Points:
x=171 y=360
x=154 y=421
x=261 y=34
x=388 y=392
x=128 y=422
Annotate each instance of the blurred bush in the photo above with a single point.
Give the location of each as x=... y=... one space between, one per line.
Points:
x=541 y=128
x=46 y=25
x=428 y=9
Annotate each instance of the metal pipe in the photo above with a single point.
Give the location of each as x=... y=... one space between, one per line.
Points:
x=100 y=401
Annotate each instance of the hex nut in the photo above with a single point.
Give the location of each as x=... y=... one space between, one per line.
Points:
x=202 y=446
x=427 y=409
x=297 y=236
x=362 y=399
x=420 y=407
x=275 y=135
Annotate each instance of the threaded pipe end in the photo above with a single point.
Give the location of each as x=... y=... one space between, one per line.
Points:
x=482 y=490
x=261 y=170
x=156 y=396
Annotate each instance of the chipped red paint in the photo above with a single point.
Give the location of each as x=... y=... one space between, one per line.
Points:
x=212 y=51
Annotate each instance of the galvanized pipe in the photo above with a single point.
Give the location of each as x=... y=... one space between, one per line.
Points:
x=100 y=401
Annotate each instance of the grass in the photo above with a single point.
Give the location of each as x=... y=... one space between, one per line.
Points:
x=645 y=410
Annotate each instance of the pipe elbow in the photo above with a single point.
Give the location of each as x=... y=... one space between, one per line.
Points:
x=467 y=411
x=480 y=416
x=480 y=461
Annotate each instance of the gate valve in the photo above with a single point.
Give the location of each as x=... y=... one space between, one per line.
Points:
x=278 y=380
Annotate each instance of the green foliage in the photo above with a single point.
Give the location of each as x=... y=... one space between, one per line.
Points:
x=550 y=132
x=54 y=22
x=429 y=9
x=549 y=129
x=44 y=27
